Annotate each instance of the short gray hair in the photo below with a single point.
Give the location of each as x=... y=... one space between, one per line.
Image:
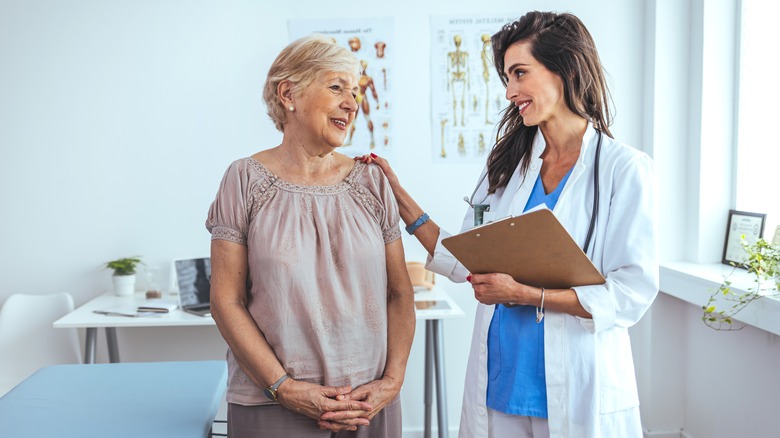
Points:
x=301 y=62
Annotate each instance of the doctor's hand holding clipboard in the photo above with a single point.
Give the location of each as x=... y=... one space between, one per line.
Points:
x=553 y=361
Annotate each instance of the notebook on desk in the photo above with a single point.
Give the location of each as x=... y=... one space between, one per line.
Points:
x=193 y=279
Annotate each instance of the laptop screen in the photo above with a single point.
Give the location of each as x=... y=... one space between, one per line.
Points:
x=193 y=277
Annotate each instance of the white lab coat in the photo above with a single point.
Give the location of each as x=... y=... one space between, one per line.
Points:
x=591 y=387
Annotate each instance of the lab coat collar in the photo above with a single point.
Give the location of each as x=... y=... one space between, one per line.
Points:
x=514 y=205
x=590 y=138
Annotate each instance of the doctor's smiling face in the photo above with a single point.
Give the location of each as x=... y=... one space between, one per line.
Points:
x=536 y=91
x=551 y=69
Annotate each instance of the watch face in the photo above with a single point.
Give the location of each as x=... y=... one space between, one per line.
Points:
x=270 y=394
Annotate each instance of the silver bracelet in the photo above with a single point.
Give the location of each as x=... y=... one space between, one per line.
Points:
x=540 y=310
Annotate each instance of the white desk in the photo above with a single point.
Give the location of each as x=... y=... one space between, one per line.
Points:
x=85 y=317
x=445 y=308
x=156 y=400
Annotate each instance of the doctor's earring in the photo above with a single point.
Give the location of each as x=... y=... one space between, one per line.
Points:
x=291 y=108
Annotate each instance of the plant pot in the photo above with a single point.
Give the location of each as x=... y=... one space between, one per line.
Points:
x=124 y=285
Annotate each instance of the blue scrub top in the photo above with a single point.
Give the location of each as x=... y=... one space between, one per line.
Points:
x=516 y=383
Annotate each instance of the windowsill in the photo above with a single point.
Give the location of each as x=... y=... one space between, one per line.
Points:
x=693 y=283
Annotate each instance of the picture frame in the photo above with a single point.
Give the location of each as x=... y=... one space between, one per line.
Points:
x=740 y=223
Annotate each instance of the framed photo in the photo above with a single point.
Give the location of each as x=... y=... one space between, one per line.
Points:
x=741 y=223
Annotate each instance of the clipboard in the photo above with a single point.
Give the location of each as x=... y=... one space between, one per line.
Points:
x=533 y=248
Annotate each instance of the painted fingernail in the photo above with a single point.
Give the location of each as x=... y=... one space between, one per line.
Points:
x=373 y=155
x=468 y=278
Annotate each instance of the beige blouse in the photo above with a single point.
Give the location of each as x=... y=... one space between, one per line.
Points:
x=317 y=273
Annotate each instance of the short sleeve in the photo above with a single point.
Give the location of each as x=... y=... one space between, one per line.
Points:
x=388 y=216
x=228 y=216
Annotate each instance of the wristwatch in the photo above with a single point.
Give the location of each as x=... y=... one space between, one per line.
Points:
x=270 y=392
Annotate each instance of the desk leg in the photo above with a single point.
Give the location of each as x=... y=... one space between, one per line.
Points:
x=89 y=345
x=429 y=347
x=441 y=385
x=113 y=349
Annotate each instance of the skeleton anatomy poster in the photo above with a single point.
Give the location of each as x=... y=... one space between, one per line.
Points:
x=466 y=93
x=371 y=40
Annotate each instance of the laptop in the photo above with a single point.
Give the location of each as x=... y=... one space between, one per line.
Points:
x=193 y=280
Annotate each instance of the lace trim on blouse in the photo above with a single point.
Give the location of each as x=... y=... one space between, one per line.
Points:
x=316 y=190
x=376 y=208
x=225 y=233
x=269 y=184
x=391 y=234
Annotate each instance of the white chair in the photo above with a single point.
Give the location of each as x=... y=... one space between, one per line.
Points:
x=28 y=341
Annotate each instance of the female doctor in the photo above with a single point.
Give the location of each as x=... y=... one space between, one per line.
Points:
x=554 y=362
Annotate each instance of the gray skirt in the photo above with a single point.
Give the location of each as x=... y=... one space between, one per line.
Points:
x=274 y=421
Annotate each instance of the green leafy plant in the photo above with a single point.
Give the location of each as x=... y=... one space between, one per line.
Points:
x=763 y=263
x=124 y=266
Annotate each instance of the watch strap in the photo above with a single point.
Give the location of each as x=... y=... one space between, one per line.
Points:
x=272 y=389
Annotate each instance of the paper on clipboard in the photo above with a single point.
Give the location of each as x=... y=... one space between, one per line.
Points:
x=533 y=248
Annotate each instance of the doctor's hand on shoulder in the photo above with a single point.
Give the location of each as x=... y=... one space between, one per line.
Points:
x=384 y=165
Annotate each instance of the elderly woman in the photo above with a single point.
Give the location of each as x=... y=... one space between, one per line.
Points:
x=309 y=282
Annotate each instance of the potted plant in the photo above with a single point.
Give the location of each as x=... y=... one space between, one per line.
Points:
x=763 y=262
x=124 y=274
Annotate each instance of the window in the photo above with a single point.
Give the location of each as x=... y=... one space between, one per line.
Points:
x=758 y=138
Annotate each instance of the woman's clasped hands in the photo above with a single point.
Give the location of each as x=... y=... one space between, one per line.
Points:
x=374 y=395
x=338 y=408
x=315 y=400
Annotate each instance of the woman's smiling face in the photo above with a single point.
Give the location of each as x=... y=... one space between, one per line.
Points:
x=531 y=87
x=326 y=108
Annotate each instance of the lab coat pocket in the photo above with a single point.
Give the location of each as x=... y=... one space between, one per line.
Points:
x=617 y=381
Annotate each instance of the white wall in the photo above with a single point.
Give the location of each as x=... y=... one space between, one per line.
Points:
x=704 y=383
x=707 y=383
x=117 y=120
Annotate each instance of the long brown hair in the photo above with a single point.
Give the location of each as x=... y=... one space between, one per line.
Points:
x=565 y=47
